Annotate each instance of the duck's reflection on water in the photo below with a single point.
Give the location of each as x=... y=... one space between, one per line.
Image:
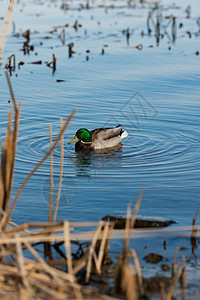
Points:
x=88 y=164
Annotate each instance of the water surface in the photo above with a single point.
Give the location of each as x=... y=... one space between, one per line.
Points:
x=153 y=93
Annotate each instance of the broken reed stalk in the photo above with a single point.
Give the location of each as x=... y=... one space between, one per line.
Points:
x=51 y=176
x=183 y=280
x=123 y=259
x=162 y=291
x=138 y=270
x=5 y=220
x=194 y=228
x=77 y=291
x=102 y=247
x=76 y=288
x=43 y=263
x=8 y=155
x=81 y=263
x=8 y=162
x=130 y=222
x=92 y=252
x=5 y=164
x=174 y=281
x=20 y=259
x=67 y=246
x=5 y=28
x=61 y=172
x=127 y=228
x=42 y=279
x=174 y=262
x=14 y=144
x=129 y=285
x=11 y=91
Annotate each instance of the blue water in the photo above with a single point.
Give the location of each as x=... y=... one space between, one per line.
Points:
x=154 y=93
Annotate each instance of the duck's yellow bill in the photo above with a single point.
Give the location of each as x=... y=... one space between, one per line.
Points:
x=73 y=140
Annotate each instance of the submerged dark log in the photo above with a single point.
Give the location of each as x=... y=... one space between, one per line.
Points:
x=141 y=222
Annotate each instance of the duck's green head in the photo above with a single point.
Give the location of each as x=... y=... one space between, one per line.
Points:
x=82 y=134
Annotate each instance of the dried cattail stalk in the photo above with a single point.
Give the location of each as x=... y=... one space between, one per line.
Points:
x=183 y=280
x=174 y=281
x=8 y=159
x=51 y=176
x=5 y=28
x=130 y=222
x=138 y=269
x=92 y=252
x=61 y=172
x=129 y=285
x=102 y=247
x=174 y=262
x=24 y=276
x=67 y=246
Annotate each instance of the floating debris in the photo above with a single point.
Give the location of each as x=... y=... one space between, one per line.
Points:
x=27 y=48
x=87 y=5
x=149 y=30
x=47 y=37
x=70 y=50
x=127 y=36
x=76 y=25
x=140 y=222
x=189 y=34
x=62 y=36
x=153 y=258
x=180 y=25
x=21 y=63
x=165 y=267
x=53 y=31
x=64 y=6
x=26 y=35
x=157 y=31
x=174 y=30
x=188 y=11
x=154 y=284
x=198 y=22
x=52 y=64
x=38 y=62
x=139 y=47
x=10 y=64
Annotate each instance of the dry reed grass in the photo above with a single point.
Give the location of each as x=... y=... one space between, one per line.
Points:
x=5 y=28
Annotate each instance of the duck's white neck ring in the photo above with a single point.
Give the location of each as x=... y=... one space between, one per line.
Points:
x=86 y=142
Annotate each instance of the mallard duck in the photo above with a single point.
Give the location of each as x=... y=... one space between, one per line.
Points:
x=97 y=139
